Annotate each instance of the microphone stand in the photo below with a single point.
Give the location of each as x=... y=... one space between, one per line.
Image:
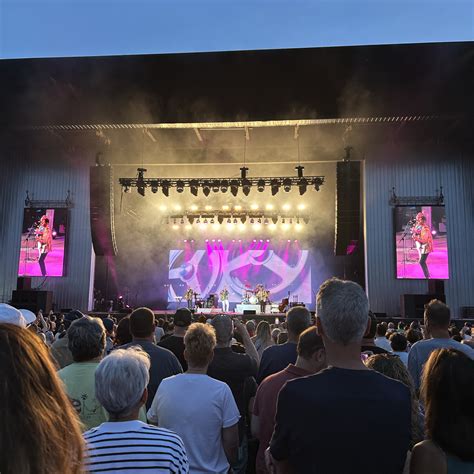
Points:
x=402 y=239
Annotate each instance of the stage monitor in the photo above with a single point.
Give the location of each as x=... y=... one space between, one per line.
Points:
x=421 y=242
x=43 y=242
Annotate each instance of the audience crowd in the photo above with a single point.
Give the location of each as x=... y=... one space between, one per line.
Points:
x=342 y=393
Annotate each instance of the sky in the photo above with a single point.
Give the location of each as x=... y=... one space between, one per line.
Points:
x=55 y=28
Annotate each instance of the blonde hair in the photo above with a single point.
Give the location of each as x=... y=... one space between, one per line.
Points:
x=39 y=429
x=199 y=343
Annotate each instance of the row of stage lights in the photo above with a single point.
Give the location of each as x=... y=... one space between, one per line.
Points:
x=236 y=240
x=223 y=184
x=189 y=220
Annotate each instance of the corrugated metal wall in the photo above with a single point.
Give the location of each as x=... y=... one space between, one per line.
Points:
x=418 y=176
x=47 y=183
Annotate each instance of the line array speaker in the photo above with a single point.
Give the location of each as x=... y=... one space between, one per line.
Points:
x=347 y=207
x=102 y=210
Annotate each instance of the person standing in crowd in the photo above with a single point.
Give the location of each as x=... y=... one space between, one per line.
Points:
x=399 y=343
x=175 y=343
x=311 y=359
x=238 y=371
x=122 y=334
x=159 y=331
x=250 y=325
x=86 y=338
x=368 y=343
x=200 y=409
x=263 y=338
x=60 y=348
x=39 y=430
x=340 y=405
x=163 y=362
x=109 y=326
x=381 y=337
x=391 y=366
x=120 y=385
x=447 y=392
x=437 y=318
x=276 y=358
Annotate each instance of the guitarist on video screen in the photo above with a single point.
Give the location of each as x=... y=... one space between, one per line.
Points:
x=421 y=234
x=44 y=239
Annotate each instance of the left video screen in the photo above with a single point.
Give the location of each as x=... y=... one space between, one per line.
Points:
x=43 y=243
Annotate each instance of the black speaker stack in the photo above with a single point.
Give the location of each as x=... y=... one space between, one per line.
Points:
x=102 y=210
x=348 y=215
x=34 y=300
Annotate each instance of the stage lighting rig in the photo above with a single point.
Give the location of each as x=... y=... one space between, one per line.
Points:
x=141 y=181
x=222 y=184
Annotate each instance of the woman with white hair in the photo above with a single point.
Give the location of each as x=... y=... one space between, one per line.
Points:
x=124 y=443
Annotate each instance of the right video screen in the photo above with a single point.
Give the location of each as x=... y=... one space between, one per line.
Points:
x=421 y=242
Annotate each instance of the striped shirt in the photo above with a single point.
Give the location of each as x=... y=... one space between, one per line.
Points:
x=133 y=447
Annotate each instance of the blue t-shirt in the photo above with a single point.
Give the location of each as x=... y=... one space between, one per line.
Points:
x=343 y=421
x=276 y=358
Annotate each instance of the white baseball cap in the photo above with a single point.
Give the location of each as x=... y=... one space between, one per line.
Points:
x=19 y=317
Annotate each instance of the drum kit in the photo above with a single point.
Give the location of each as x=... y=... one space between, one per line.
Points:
x=252 y=296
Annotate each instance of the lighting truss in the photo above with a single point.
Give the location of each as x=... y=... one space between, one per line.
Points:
x=206 y=185
x=235 y=217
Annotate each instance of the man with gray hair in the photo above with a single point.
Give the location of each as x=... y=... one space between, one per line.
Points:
x=86 y=341
x=323 y=420
x=276 y=358
x=121 y=381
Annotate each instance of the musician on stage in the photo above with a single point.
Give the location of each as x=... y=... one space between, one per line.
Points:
x=423 y=238
x=44 y=239
x=224 y=296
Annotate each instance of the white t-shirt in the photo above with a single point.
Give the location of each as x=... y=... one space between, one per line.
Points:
x=384 y=343
x=196 y=407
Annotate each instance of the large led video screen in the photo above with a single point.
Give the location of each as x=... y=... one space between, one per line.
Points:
x=43 y=242
x=284 y=271
x=421 y=242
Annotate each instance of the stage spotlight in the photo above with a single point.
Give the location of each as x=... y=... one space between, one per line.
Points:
x=194 y=187
x=238 y=208
x=235 y=220
x=261 y=240
x=283 y=221
x=205 y=221
x=212 y=221
x=259 y=220
x=219 y=240
x=298 y=220
x=275 y=219
x=213 y=240
x=255 y=240
x=174 y=221
x=208 y=208
x=243 y=219
x=224 y=185
x=191 y=219
x=184 y=240
x=291 y=221
x=317 y=183
x=302 y=185
x=206 y=188
x=268 y=240
x=246 y=185
x=154 y=187
x=286 y=207
x=252 y=220
x=216 y=185
x=234 y=187
x=207 y=240
x=225 y=207
x=220 y=219
x=165 y=187
x=175 y=227
x=275 y=186
x=180 y=186
x=126 y=189
x=287 y=185
x=198 y=221
x=269 y=207
x=265 y=221
x=306 y=220
x=182 y=221
x=289 y=240
x=140 y=181
x=141 y=189
x=254 y=207
x=229 y=221
x=261 y=185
